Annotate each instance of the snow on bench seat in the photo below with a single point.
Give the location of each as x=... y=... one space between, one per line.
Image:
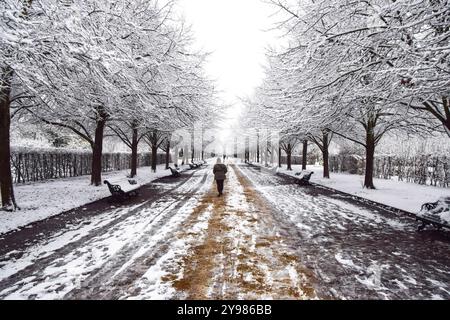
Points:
x=303 y=173
x=437 y=213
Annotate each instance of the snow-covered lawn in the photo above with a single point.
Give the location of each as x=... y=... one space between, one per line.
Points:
x=48 y=198
x=398 y=194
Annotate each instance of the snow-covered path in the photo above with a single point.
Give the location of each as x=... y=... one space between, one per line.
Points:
x=357 y=251
x=229 y=248
x=266 y=238
x=96 y=249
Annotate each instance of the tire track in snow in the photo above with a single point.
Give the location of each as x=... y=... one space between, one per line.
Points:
x=116 y=277
x=39 y=272
x=356 y=250
x=238 y=254
x=13 y=244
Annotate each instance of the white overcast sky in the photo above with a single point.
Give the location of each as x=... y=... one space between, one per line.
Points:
x=235 y=31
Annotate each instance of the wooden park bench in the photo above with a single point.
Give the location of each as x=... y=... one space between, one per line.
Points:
x=175 y=172
x=121 y=193
x=192 y=166
x=432 y=213
x=195 y=165
x=303 y=177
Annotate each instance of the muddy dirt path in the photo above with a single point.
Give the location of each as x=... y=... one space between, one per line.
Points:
x=241 y=254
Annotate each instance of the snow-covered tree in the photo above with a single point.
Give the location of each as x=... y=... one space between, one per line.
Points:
x=30 y=40
x=90 y=66
x=354 y=61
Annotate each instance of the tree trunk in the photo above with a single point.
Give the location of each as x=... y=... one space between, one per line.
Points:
x=175 y=156
x=288 y=156
x=279 y=157
x=203 y=145
x=6 y=181
x=257 y=148
x=272 y=155
x=97 y=149
x=370 y=152
x=446 y=102
x=305 y=154
x=185 y=155
x=134 y=153
x=167 y=155
x=326 y=168
x=247 y=150
x=325 y=156
x=154 y=157
x=266 y=154
x=6 y=185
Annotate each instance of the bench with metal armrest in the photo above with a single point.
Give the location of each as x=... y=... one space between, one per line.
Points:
x=122 y=193
x=303 y=177
x=195 y=165
x=175 y=172
x=436 y=214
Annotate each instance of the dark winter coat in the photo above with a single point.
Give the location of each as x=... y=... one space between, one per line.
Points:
x=219 y=171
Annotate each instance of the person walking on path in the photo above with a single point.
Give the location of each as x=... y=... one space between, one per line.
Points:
x=220 y=171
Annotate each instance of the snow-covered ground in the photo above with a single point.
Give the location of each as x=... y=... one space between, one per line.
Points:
x=357 y=251
x=266 y=238
x=99 y=251
x=397 y=194
x=188 y=243
x=228 y=248
x=41 y=200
